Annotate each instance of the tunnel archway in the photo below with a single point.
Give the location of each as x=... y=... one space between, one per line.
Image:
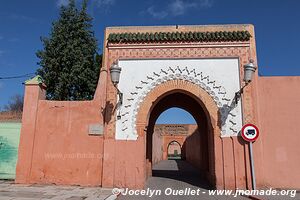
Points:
x=174 y=150
x=171 y=129
x=195 y=147
x=196 y=101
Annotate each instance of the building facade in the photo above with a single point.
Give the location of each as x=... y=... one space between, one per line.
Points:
x=197 y=68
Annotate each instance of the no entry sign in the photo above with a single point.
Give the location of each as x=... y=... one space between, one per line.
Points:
x=250 y=132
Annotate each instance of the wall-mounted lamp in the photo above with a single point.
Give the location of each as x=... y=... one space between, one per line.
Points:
x=249 y=70
x=115 y=72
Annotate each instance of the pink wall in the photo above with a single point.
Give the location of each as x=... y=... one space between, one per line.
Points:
x=157 y=148
x=279 y=123
x=193 y=149
x=124 y=163
x=82 y=153
x=55 y=146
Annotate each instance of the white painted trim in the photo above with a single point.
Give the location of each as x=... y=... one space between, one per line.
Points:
x=138 y=79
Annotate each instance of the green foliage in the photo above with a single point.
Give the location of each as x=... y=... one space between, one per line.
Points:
x=219 y=36
x=69 y=61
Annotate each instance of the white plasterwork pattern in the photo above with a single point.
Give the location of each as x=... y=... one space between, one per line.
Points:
x=218 y=93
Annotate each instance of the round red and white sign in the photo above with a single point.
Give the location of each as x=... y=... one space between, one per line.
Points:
x=250 y=132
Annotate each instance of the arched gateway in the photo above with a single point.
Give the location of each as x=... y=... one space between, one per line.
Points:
x=103 y=142
x=201 y=78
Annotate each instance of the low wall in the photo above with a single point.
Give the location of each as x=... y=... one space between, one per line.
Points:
x=55 y=145
x=279 y=117
x=124 y=163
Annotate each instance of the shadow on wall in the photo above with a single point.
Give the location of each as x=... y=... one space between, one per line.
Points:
x=108 y=111
x=224 y=111
x=196 y=151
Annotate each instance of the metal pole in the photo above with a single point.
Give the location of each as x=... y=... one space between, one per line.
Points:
x=252 y=166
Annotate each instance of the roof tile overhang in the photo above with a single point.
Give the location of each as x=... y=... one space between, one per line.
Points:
x=147 y=37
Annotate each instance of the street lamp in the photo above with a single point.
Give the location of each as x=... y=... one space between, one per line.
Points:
x=249 y=70
x=115 y=72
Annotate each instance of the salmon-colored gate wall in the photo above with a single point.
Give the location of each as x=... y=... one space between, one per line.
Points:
x=279 y=116
x=53 y=127
x=232 y=164
x=55 y=146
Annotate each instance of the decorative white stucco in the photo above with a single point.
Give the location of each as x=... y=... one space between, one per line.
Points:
x=218 y=77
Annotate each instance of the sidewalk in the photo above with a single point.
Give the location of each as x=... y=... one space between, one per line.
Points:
x=11 y=191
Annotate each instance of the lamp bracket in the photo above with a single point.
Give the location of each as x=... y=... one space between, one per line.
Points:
x=120 y=94
x=239 y=93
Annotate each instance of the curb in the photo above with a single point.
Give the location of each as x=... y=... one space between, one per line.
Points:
x=111 y=197
x=254 y=197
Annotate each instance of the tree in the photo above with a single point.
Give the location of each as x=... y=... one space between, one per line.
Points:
x=15 y=104
x=69 y=61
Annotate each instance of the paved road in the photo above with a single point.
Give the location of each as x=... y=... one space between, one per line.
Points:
x=178 y=175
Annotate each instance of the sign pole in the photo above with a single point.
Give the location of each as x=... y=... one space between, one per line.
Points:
x=250 y=133
x=252 y=166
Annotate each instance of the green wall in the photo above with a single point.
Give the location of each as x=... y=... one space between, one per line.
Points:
x=9 y=143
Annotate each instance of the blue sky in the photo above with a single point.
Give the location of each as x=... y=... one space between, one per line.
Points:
x=23 y=22
x=175 y=116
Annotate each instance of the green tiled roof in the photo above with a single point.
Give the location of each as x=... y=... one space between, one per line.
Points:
x=218 y=36
x=35 y=80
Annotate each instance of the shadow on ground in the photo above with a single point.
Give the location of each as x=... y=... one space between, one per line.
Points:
x=184 y=173
x=177 y=175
